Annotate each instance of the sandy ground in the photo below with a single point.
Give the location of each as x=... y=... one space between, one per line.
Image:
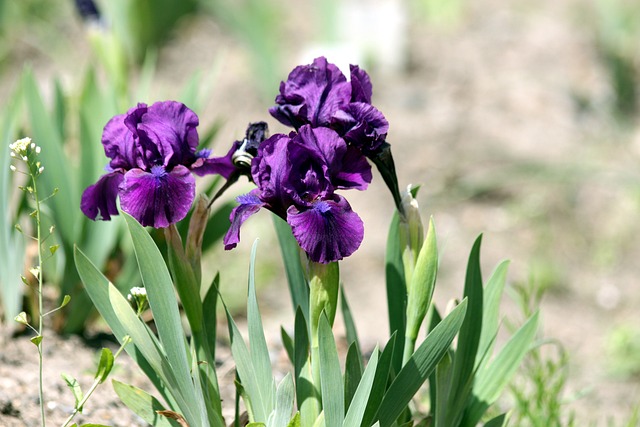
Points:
x=503 y=118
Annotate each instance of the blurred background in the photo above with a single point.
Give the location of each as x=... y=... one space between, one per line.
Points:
x=518 y=119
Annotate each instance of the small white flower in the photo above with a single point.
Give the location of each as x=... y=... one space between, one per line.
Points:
x=25 y=158
x=13 y=168
x=38 y=149
x=13 y=154
x=41 y=169
x=21 y=145
x=138 y=292
x=33 y=145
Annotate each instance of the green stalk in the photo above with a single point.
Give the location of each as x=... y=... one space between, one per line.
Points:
x=94 y=386
x=40 y=302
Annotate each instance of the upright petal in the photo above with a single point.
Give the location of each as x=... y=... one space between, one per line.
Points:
x=361 y=88
x=249 y=204
x=158 y=198
x=328 y=231
x=311 y=94
x=119 y=144
x=362 y=125
x=99 y=199
x=171 y=126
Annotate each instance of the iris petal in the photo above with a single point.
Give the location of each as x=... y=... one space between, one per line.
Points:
x=249 y=204
x=171 y=126
x=361 y=88
x=329 y=231
x=99 y=199
x=158 y=198
x=119 y=144
x=311 y=94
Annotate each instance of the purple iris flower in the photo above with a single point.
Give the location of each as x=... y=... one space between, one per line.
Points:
x=297 y=176
x=153 y=159
x=319 y=94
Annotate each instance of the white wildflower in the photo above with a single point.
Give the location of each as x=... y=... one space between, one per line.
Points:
x=21 y=145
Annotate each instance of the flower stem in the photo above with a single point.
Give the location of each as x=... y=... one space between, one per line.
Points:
x=40 y=302
x=94 y=386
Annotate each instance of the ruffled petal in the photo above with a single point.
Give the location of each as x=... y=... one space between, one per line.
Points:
x=171 y=126
x=249 y=204
x=362 y=125
x=99 y=200
x=311 y=94
x=361 y=88
x=328 y=231
x=119 y=144
x=158 y=198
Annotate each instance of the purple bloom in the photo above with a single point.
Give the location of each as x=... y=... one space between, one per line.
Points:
x=319 y=94
x=153 y=159
x=297 y=175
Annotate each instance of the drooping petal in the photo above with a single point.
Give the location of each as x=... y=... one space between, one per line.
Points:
x=361 y=88
x=362 y=125
x=217 y=165
x=171 y=126
x=157 y=198
x=328 y=231
x=249 y=204
x=99 y=200
x=311 y=94
x=119 y=144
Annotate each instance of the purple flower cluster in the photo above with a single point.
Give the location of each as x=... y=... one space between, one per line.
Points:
x=297 y=175
x=153 y=155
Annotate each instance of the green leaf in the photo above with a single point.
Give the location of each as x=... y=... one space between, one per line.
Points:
x=491 y=311
x=105 y=365
x=254 y=369
x=59 y=172
x=332 y=389
x=209 y=313
x=352 y=373
x=358 y=405
x=259 y=351
x=123 y=321
x=396 y=289
x=295 y=421
x=142 y=404
x=287 y=343
x=298 y=285
x=65 y=301
x=161 y=294
x=469 y=339
x=284 y=403
x=380 y=381
x=418 y=368
x=491 y=380
x=74 y=385
x=307 y=395
x=349 y=324
x=499 y=421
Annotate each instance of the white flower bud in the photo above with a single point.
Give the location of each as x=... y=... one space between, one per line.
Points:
x=13 y=168
x=38 y=149
x=41 y=169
